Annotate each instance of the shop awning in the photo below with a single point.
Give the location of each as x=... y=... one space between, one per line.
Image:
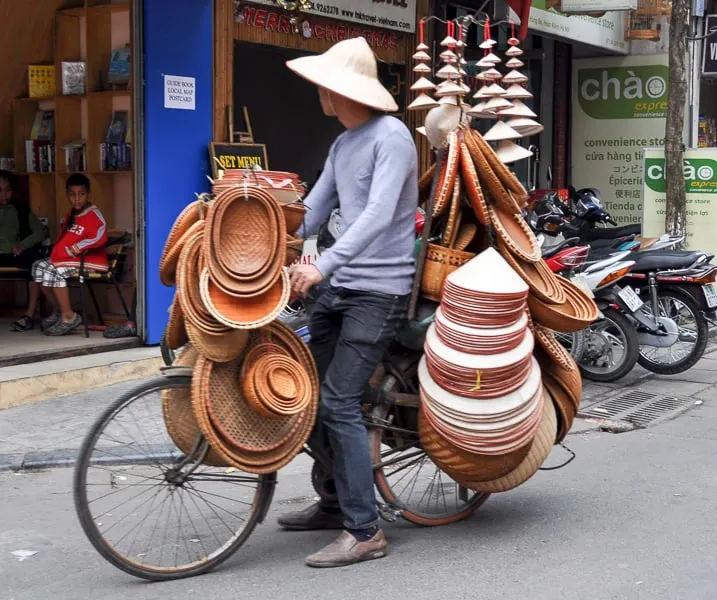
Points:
x=522 y=9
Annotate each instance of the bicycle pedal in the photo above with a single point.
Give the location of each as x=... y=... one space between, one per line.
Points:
x=388 y=513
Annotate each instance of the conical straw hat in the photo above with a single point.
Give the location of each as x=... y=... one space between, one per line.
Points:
x=525 y=126
x=448 y=72
x=440 y=121
x=479 y=111
x=448 y=88
x=501 y=131
x=517 y=110
x=422 y=101
x=423 y=84
x=497 y=104
x=508 y=152
x=348 y=69
x=490 y=75
x=517 y=91
x=515 y=77
x=421 y=68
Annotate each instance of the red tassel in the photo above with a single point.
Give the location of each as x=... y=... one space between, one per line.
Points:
x=420 y=31
x=486 y=29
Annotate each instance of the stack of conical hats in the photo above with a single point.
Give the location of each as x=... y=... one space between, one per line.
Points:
x=255 y=390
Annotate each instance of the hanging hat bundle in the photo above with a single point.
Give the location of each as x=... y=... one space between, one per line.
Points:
x=518 y=119
x=423 y=85
x=491 y=96
x=255 y=389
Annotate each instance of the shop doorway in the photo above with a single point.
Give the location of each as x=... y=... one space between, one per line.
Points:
x=58 y=108
x=283 y=108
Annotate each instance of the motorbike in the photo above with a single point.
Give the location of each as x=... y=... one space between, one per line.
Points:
x=676 y=289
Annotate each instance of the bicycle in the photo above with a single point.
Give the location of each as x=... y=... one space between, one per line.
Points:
x=200 y=494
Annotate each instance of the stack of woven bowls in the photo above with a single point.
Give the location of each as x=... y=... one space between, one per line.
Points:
x=255 y=388
x=483 y=404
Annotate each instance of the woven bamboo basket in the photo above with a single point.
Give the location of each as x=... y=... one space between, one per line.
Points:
x=440 y=262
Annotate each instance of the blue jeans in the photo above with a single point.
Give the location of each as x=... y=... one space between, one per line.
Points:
x=350 y=333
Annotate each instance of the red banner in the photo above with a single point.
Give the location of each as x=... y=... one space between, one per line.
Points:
x=330 y=31
x=522 y=9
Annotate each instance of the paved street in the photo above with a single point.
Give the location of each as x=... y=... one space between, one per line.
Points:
x=632 y=517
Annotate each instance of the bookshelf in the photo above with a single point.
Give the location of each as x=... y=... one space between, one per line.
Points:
x=89 y=34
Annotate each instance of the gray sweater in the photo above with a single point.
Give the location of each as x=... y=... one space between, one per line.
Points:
x=371 y=175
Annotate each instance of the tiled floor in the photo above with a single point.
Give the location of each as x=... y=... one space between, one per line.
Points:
x=29 y=346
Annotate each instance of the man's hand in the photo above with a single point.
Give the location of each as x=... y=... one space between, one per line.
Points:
x=17 y=249
x=69 y=250
x=303 y=278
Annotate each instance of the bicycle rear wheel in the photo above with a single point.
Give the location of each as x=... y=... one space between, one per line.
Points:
x=152 y=509
x=406 y=477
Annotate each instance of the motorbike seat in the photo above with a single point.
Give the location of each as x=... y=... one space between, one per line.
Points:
x=611 y=243
x=610 y=233
x=657 y=260
x=553 y=250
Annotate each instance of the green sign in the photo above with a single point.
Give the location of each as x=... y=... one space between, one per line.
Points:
x=700 y=175
x=624 y=92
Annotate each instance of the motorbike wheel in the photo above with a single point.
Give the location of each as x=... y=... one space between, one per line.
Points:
x=601 y=338
x=693 y=329
x=573 y=342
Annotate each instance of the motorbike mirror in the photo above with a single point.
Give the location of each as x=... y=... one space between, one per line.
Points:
x=549 y=175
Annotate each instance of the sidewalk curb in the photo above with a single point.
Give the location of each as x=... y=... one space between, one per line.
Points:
x=29 y=387
x=40 y=459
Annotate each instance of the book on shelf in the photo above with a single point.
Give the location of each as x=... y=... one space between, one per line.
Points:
x=43 y=126
x=41 y=81
x=75 y=156
x=39 y=156
x=74 y=78
x=119 y=68
x=115 y=157
x=117 y=131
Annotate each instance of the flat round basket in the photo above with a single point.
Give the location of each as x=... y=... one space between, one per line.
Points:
x=170 y=254
x=178 y=415
x=576 y=313
x=243 y=231
x=175 y=335
x=544 y=284
x=249 y=312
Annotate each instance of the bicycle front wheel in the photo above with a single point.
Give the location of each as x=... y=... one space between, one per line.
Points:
x=158 y=504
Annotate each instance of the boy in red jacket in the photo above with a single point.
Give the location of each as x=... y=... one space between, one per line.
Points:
x=84 y=230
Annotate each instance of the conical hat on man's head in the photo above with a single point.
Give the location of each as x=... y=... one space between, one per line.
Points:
x=348 y=69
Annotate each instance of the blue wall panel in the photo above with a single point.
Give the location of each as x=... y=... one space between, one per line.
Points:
x=177 y=41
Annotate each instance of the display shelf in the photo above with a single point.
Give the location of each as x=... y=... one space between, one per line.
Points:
x=88 y=33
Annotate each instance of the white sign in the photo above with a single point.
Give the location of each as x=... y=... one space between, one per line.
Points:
x=180 y=92
x=606 y=32
x=596 y=6
x=382 y=14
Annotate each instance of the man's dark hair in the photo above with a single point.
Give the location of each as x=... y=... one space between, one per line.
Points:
x=77 y=179
x=6 y=175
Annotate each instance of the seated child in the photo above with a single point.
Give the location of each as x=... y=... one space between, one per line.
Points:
x=84 y=230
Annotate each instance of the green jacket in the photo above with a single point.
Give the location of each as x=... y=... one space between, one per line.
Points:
x=11 y=229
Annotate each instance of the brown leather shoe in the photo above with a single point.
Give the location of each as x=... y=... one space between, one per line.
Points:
x=347 y=550
x=311 y=518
